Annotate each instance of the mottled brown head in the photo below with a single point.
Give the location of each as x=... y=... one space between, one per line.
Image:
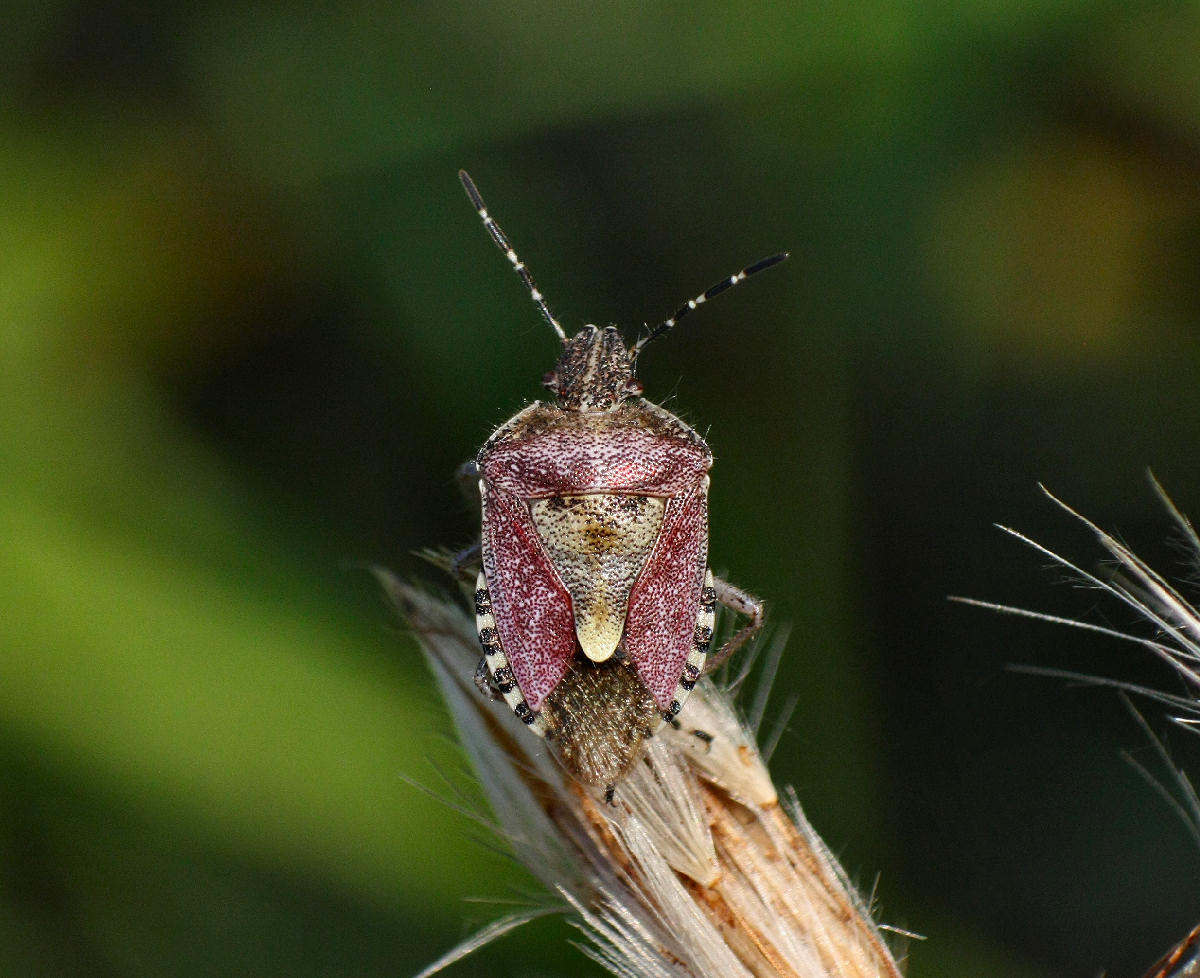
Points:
x=594 y=372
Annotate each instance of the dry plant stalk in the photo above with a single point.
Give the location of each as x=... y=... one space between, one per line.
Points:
x=696 y=869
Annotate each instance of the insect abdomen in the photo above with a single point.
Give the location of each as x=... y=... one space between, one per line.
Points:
x=599 y=715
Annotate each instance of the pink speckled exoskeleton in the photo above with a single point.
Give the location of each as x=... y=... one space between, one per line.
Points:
x=594 y=602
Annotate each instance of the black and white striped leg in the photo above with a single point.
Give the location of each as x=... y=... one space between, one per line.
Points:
x=496 y=662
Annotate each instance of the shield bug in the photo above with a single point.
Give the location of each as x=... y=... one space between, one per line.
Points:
x=594 y=602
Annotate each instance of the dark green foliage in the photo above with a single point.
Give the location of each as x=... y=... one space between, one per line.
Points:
x=249 y=326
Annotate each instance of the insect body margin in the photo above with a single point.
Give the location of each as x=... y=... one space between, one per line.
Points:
x=497 y=661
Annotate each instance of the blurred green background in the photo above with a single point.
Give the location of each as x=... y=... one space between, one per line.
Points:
x=249 y=326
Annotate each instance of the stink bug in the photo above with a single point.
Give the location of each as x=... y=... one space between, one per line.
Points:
x=594 y=602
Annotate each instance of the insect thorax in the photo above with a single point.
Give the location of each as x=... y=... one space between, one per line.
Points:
x=542 y=419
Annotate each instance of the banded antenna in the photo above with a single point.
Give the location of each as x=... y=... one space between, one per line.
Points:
x=505 y=245
x=714 y=290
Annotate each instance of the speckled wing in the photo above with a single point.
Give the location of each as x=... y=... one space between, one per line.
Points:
x=661 y=623
x=534 y=619
x=640 y=452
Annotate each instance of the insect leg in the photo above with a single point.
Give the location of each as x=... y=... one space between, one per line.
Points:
x=483 y=680
x=467 y=477
x=743 y=603
x=462 y=562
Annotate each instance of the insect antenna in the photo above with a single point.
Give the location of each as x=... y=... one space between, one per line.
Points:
x=714 y=290
x=505 y=245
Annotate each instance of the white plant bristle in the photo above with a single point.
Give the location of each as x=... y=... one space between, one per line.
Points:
x=693 y=869
x=669 y=810
x=1148 y=593
x=730 y=759
x=1176 y=640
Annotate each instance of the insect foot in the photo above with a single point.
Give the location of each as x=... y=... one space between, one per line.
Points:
x=595 y=605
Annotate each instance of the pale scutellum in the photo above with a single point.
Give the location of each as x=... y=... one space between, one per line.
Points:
x=696 y=868
x=1175 y=640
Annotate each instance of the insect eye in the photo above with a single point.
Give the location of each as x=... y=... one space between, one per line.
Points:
x=634 y=386
x=550 y=380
